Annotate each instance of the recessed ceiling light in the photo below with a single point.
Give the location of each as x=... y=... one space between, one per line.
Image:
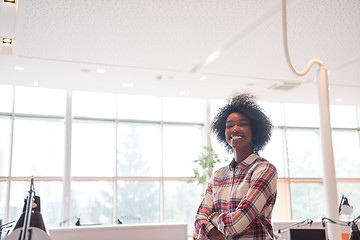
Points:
x=100 y=70
x=19 y=68
x=6 y=40
x=36 y=84
x=9 y=1
x=339 y=99
x=182 y=93
x=127 y=84
x=203 y=78
x=212 y=57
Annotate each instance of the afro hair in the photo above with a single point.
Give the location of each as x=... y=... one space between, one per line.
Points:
x=245 y=103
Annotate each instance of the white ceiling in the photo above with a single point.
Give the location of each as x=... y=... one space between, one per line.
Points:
x=161 y=46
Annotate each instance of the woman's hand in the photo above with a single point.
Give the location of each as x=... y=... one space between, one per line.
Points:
x=215 y=234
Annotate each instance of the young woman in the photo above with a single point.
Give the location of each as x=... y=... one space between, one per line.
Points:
x=240 y=197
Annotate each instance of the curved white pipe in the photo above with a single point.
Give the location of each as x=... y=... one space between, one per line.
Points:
x=330 y=187
x=286 y=48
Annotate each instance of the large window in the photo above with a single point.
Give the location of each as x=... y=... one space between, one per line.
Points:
x=295 y=150
x=130 y=157
x=126 y=150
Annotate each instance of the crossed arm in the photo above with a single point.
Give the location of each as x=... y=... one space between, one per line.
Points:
x=262 y=191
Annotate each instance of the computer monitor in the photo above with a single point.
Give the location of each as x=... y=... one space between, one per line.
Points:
x=308 y=234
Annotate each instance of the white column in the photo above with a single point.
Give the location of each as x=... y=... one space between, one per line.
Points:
x=67 y=165
x=331 y=195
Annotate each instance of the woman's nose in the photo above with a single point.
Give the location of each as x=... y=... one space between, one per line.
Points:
x=235 y=128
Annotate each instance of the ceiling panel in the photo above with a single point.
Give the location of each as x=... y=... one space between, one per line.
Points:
x=161 y=46
x=171 y=35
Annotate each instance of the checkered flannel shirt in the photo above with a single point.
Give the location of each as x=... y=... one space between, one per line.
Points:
x=244 y=195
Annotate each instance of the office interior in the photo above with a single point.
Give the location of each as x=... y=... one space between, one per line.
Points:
x=107 y=103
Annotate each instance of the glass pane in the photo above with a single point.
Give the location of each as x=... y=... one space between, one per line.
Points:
x=3 y=192
x=50 y=193
x=273 y=111
x=181 y=202
x=343 y=116
x=183 y=110
x=139 y=107
x=307 y=201
x=93 y=148
x=33 y=100
x=5 y=138
x=281 y=208
x=94 y=104
x=138 y=202
x=215 y=105
x=346 y=153
x=347 y=189
x=223 y=154
x=304 y=153
x=38 y=147
x=6 y=98
x=139 y=149
x=182 y=145
x=274 y=152
x=302 y=115
x=92 y=202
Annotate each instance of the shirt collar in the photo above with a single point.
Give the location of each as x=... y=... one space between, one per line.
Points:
x=245 y=163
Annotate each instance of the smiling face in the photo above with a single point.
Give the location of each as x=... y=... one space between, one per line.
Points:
x=238 y=133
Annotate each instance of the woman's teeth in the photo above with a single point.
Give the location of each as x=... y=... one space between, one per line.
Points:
x=236 y=137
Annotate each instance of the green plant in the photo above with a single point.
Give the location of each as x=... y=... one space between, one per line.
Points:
x=204 y=165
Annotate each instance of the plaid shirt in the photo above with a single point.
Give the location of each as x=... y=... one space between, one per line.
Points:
x=244 y=196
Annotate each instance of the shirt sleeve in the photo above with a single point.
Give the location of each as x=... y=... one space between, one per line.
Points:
x=261 y=193
x=202 y=225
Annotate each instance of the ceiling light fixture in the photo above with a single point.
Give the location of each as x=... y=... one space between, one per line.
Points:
x=127 y=84
x=203 y=78
x=6 y=41
x=212 y=57
x=101 y=71
x=9 y=1
x=19 y=68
